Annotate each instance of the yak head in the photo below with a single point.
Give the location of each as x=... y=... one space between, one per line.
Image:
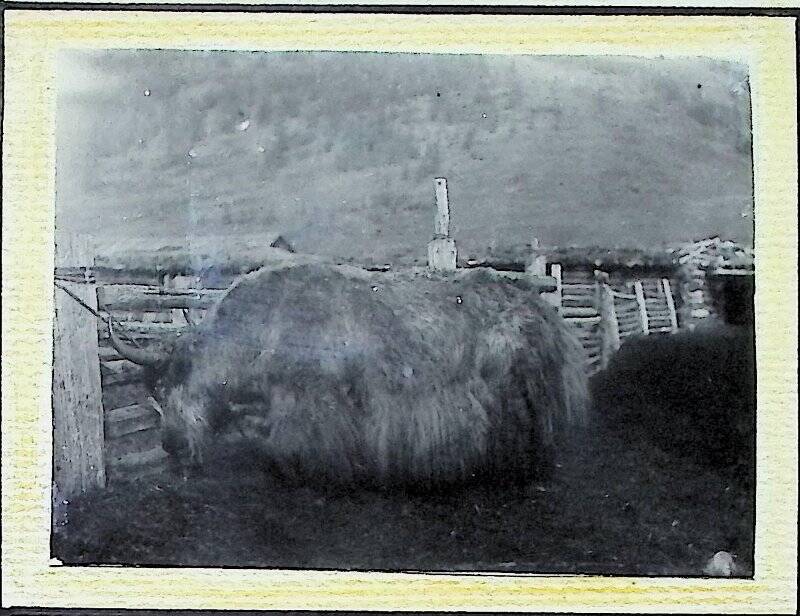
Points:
x=167 y=377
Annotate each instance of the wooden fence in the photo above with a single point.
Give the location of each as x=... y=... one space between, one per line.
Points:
x=105 y=429
x=603 y=315
x=151 y=315
x=121 y=436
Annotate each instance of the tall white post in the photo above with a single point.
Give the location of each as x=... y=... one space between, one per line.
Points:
x=538 y=264
x=637 y=286
x=555 y=272
x=609 y=325
x=442 y=226
x=442 y=253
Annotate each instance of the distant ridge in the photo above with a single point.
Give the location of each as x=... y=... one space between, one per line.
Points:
x=340 y=150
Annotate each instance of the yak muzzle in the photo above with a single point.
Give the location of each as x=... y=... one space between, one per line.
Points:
x=182 y=461
x=175 y=444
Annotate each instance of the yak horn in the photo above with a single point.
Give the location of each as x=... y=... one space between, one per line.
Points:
x=188 y=316
x=156 y=406
x=137 y=356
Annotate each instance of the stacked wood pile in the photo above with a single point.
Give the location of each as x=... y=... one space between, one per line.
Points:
x=611 y=260
x=150 y=311
x=200 y=253
x=696 y=262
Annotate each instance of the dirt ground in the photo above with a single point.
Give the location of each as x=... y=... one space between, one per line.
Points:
x=614 y=505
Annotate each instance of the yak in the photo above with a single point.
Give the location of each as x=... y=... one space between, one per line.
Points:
x=331 y=374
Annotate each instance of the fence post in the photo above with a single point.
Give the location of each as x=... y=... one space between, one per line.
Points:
x=538 y=264
x=673 y=316
x=77 y=399
x=554 y=298
x=555 y=272
x=599 y=278
x=637 y=286
x=442 y=224
x=442 y=255
x=609 y=326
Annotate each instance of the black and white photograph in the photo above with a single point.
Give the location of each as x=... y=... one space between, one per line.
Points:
x=369 y=311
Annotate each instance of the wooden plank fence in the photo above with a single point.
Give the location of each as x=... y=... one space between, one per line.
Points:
x=153 y=310
x=78 y=439
x=602 y=316
x=629 y=320
x=104 y=427
x=151 y=315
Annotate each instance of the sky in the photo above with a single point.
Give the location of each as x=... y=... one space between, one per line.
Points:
x=338 y=151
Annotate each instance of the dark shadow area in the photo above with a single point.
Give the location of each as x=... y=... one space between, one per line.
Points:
x=691 y=398
x=691 y=394
x=734 y=298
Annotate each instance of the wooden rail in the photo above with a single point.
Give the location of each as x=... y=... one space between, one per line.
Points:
x=602 y=316
x=151 y=299
x=151 y=315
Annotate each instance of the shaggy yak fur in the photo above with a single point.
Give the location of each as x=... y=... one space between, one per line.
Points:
x=338 y=376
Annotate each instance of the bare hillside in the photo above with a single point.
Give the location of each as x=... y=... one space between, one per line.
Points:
x=338 y=151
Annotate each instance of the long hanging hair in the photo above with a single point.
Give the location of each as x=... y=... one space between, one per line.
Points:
x=336 y=375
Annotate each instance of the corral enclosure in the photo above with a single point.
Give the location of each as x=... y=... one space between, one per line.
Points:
x=156 y=296
x=153 y=307
x=182 y=164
